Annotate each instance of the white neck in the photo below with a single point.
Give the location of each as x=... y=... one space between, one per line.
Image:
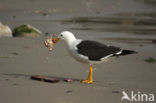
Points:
x=69 y=40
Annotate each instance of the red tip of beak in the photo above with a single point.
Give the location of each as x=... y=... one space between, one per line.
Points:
x=55 y=40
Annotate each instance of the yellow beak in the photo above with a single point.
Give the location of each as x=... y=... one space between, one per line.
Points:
x=56 y=39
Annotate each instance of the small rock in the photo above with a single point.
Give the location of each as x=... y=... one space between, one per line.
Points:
x=141 y=45
x=14 y=53
x=7 y=79
x=5 y=30
x=115 y=91
x=46 y=33
x=68 y=80
x=26 y=30
x=15 y=84
x=45 y=14
x=14 y=16
x=69 y=91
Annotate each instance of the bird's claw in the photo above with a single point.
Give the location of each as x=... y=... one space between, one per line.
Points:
x=87 y=81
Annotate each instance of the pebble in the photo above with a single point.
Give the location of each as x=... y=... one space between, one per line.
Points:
x=68 y=80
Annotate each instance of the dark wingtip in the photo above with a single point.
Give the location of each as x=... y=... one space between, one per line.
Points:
x=127 y=52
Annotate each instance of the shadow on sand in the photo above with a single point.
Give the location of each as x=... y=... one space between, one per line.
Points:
x=16 y=75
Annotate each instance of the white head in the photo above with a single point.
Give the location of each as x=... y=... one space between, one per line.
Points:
x=67 y=36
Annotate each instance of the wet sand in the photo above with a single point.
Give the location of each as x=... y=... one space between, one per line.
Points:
x=108 y=22
x=20 y=58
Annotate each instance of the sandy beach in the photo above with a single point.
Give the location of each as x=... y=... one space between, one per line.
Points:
x=130 y=26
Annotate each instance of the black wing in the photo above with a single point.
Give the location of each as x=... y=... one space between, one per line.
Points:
x=95 y=50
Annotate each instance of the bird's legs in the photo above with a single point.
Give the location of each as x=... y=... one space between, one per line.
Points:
x=89 y=80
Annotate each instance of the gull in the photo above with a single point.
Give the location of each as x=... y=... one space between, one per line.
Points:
x=89 y=51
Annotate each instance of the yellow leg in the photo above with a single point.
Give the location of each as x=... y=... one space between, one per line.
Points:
x=89 y=80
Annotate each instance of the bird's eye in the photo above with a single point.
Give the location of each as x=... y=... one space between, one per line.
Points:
x=61 y=35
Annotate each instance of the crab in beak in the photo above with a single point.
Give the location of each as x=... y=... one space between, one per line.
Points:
x=49 y=42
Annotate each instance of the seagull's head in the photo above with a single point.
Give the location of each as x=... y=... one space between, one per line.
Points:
x=65 y=35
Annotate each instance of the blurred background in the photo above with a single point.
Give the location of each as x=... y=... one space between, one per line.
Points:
x=121 y=17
